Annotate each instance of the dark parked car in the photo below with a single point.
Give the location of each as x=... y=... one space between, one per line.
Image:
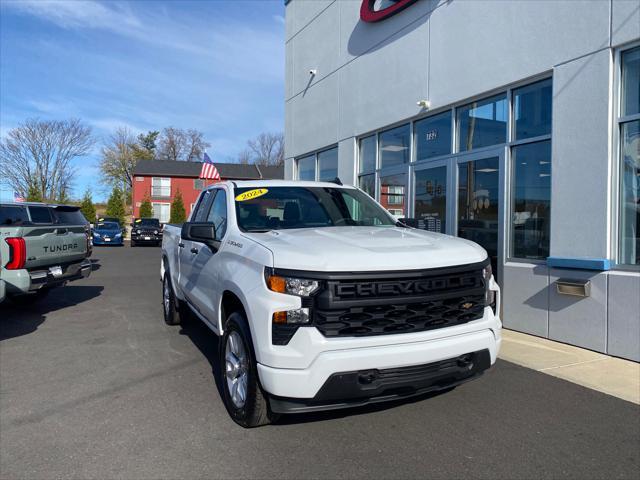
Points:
x=107 y=233
x=146 y=231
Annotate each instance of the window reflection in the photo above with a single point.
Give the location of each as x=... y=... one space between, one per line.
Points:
x=482 y=123
x=630 y=82
x=532 y=110
x=328 y=164
x=307 y=168
x=394 y=146
x=433 y=136
x=630 y=194
x=431 y=199
x=531 y=200
x=392 y=193
x=367 y=154
x=368 y=184
x=478 y=189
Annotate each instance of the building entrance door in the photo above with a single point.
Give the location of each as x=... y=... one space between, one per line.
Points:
x=480 y=203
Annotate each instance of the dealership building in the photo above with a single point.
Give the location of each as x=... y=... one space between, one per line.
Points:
x=515 y=124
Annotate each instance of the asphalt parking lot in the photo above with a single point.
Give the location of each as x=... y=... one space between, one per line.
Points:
x=93 y=384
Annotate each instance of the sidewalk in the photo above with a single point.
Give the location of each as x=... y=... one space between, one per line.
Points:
x=610 y=375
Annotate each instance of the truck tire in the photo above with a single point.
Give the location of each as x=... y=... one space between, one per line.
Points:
x=243 y=396
x=170 y=305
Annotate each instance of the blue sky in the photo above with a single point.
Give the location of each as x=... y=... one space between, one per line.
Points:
x=217 y=66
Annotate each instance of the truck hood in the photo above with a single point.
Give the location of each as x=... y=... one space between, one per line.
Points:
x=340 y=249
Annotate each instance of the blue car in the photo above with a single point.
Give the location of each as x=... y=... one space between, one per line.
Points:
x=107 y=233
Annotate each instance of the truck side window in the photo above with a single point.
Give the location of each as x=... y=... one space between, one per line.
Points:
x=10 y=215
x=218 y=213
x=203 y=207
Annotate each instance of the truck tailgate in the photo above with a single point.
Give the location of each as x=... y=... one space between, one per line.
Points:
x=54 y=245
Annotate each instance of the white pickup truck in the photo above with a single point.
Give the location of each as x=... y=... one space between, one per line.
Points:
x=324 y=300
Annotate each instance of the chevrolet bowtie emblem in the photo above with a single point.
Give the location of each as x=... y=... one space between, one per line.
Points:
x=467 y=305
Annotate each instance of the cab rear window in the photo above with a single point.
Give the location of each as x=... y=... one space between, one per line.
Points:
x=40 y=215
x=13 y=215
x=69 y=216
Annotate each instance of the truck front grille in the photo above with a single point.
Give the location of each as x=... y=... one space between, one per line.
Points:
x=351 y=304
x=399 y=317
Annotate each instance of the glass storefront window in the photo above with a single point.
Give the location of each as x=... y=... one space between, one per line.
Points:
x=531 y=202
x=478 y=195
x=433 y=136
x=394 y=146
x=431 y=199
x=368 y=184
x=630 y=193
x=482 y=123
x=307 y=168
x=630 y=103
x=367 y=154
x=328 y=164
x=393 y=193
x=532 y=110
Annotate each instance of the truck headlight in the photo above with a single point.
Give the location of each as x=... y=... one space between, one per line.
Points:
x=292 y=286
x=489 y=295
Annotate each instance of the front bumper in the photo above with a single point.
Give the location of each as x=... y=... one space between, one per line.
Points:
x=146 y=238
x=306 y=383
x=362 y=387
x=112 y=241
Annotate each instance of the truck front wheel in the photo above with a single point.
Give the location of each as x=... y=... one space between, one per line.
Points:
x=244 y=398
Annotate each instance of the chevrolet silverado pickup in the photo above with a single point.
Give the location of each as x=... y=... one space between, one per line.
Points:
x=41 y=246
x=323 y=300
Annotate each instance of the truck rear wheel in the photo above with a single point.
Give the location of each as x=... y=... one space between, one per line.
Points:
x=169 y=302
x=244 y=398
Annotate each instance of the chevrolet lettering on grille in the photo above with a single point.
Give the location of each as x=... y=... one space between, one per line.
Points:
x=403 y=287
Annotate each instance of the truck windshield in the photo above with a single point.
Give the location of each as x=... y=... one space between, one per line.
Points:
x=275 y=208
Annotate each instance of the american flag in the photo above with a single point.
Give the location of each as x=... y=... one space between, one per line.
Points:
x=17 y=197
x=209 y=170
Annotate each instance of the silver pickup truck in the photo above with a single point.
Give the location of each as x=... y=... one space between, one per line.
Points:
x=41 y=246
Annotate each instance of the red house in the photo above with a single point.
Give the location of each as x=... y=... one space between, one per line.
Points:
x=159 y=180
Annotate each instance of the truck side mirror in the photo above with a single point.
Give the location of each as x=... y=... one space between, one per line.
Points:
x=201 y=232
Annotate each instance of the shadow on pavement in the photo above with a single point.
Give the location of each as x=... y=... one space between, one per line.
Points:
x=207 y=342
x=95 y=264
x=17 y=320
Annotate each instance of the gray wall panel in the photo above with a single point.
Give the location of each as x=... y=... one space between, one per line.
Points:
x=315 y=115
x=624 y=315
x=381 y=87
x=625 y=22
x=580 y=170
x=479 y=46
x=577 y=320
x=316 y=47
x=525 y=298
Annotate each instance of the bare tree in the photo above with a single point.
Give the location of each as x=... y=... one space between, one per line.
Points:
x=181 y=145
x=37 y=155
x=245 y=157
x=119 y=158
x=267 y=149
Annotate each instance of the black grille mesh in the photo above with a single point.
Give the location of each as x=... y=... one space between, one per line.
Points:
x=399 y=318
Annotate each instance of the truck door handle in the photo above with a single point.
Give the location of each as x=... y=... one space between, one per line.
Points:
x=181 y=245
x=194 y=250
